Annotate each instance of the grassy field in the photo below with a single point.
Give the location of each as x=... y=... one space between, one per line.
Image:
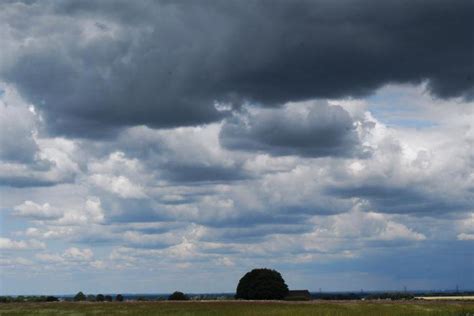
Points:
x=240 y=308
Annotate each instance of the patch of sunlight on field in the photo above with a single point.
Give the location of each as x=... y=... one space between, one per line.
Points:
x=445 y=298
x=240 y=309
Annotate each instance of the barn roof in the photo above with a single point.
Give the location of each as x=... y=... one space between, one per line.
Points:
x=299 y=293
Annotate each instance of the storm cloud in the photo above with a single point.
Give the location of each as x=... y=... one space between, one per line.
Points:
x=95 y=67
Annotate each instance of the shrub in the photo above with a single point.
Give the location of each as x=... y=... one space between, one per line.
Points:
x=178 y=296
x=119 y=298
x=108 y=298
x=6 y=299
x=100 y=298
x=262 y=284
x=51 y=299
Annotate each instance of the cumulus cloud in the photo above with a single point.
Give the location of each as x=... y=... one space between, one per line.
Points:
x=372 y=226
x=26 y=158
x=408 y=168
x=36 y=211
x=77 y=254
x=466 y=228
x=119 y=185
x=56 y=222
x=31 y=244
x=71 y=258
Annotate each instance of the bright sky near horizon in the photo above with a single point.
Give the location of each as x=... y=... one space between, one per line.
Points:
x=153 y=146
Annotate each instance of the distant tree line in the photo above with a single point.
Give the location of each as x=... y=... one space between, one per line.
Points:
x=28 y=298
x=79 y=297
x=43 y=298
x=258 y=284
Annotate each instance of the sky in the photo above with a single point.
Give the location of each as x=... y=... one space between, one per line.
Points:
x=154 y=146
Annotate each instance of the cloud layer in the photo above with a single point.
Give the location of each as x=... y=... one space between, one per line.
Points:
x=143 y=140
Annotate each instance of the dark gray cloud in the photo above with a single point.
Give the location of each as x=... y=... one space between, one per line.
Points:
x=413 y=199
x=177 y=172
x=188 y=156
x=317 y=131
x=93 y=67
x=25 y=181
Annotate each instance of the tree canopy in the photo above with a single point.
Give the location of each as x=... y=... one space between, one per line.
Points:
x=177 y=296
x=262 y=284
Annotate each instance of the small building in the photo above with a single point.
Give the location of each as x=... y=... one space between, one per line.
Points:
x=298 y=295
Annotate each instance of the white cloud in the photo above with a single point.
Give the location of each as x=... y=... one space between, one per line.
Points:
x=371 y=226
x=90 y=212
x=31 y=244
x=33 y=210
x=15 y=262
x=464 y=236
x=113 y=175
x=77 y=254
x=119 y=185
x=225 y=261
x=394 y=231
x=70 y=257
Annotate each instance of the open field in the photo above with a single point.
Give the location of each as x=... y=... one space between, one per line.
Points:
x=446 y=298
x=215 y=308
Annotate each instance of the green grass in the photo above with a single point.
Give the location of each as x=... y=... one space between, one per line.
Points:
x=240 y=309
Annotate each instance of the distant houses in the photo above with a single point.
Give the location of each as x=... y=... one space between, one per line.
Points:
x=298 y=295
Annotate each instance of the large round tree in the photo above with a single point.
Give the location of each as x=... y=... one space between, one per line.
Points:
x=178 y=296
x=262 y=284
